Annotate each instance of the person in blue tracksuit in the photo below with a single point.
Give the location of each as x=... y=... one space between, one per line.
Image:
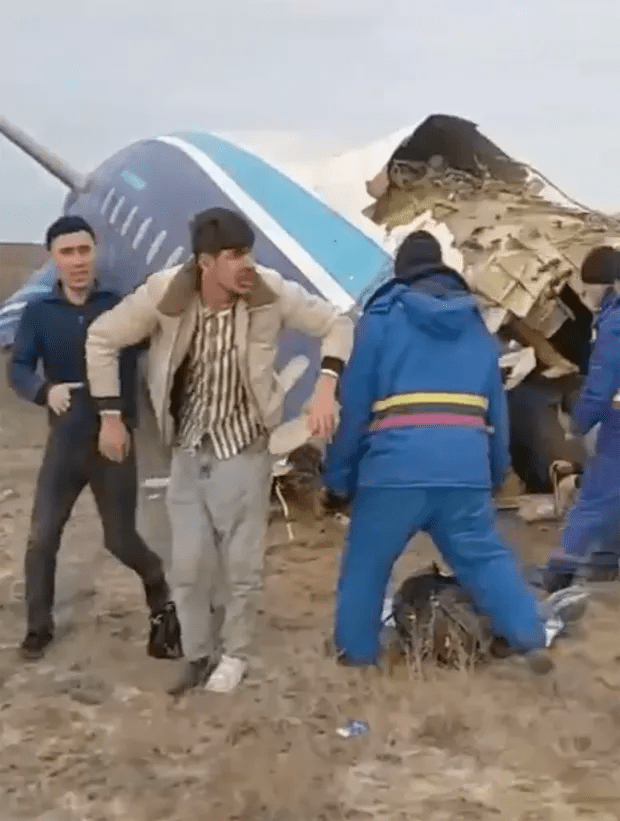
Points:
x=423 y=438
x=590 y=540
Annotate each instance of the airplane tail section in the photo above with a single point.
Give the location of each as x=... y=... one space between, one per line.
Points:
x=45 y=158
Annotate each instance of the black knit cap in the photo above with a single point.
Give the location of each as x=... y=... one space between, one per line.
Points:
x=601 y=266
x=67 y=225
x=419 y=248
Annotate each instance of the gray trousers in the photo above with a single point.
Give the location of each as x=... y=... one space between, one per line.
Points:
x=218 y=514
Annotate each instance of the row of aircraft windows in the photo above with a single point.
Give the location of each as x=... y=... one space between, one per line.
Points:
x=174 y=257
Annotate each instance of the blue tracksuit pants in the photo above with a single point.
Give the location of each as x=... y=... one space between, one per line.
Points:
x=461 y=522
x=593 y=526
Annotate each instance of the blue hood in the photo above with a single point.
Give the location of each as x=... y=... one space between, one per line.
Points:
x=609 y=304
x=436 y=299
x=445 y=318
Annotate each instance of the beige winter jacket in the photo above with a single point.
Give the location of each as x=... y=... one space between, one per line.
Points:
x=164 y=309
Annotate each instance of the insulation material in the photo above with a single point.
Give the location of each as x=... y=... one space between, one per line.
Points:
x=517 y=246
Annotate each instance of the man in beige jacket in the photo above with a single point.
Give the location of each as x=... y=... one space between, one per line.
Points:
x=214 y=326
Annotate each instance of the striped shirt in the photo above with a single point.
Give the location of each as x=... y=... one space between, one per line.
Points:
x=214 y=401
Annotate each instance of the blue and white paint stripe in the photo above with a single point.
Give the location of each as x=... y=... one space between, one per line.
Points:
x=9 y=322
x=14 y=307
x=333 y=255
x=281 y=238
x=19 y=301
x=340 y=249
x=11 y=310
x=351 y=256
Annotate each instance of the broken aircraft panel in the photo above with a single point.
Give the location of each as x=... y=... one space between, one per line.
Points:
x=521 y=242
x=521 y=251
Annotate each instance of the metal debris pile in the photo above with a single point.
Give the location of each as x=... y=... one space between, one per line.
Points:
x=521 y=251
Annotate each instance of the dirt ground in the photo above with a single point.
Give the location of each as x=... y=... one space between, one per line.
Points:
x=89 y=733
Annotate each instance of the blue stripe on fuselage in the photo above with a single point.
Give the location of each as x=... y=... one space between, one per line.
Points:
x=351 y=257
x=133 y=179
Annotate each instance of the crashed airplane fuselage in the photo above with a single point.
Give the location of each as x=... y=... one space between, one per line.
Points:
x=140 y=202
x=518 y=248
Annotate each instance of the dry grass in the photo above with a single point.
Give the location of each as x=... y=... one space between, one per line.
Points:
x=89 y=735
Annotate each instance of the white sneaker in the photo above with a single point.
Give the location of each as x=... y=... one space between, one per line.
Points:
x=563 y=608
x=227 y=675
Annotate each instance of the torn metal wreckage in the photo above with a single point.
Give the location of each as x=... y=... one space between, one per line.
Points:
x=519 y=242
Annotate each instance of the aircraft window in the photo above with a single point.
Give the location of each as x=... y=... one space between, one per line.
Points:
x=129 y=220
x=116 y=209
x=157 y=242
x=175 y=257
x=106 y=202
x=141 y=232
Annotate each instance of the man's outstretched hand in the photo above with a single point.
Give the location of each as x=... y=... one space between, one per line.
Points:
x=322 y=418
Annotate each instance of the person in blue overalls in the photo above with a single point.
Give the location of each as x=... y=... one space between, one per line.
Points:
x=590 y=540
x=423 y=438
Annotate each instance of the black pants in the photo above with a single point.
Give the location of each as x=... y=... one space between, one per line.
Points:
x=71 y=461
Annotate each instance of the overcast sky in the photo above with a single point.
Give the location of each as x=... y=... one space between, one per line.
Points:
x=86 y=78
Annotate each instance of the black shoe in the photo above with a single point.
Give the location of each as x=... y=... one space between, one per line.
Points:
x=540 y=661
x=554 y=581
x=195 y=674
x=602 y=574
x=500 y=649
x=548 y=579
x=343 y=660
x=165 y=634
x=33 y=646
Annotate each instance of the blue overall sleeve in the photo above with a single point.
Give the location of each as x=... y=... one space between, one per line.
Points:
x=357 y=392
x=499 y=445
x=25 y=356
x=601 y=382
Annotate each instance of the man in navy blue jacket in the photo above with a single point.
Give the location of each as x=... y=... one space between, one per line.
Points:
x=52 y=332
x=423 y=438
x=590 y=540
